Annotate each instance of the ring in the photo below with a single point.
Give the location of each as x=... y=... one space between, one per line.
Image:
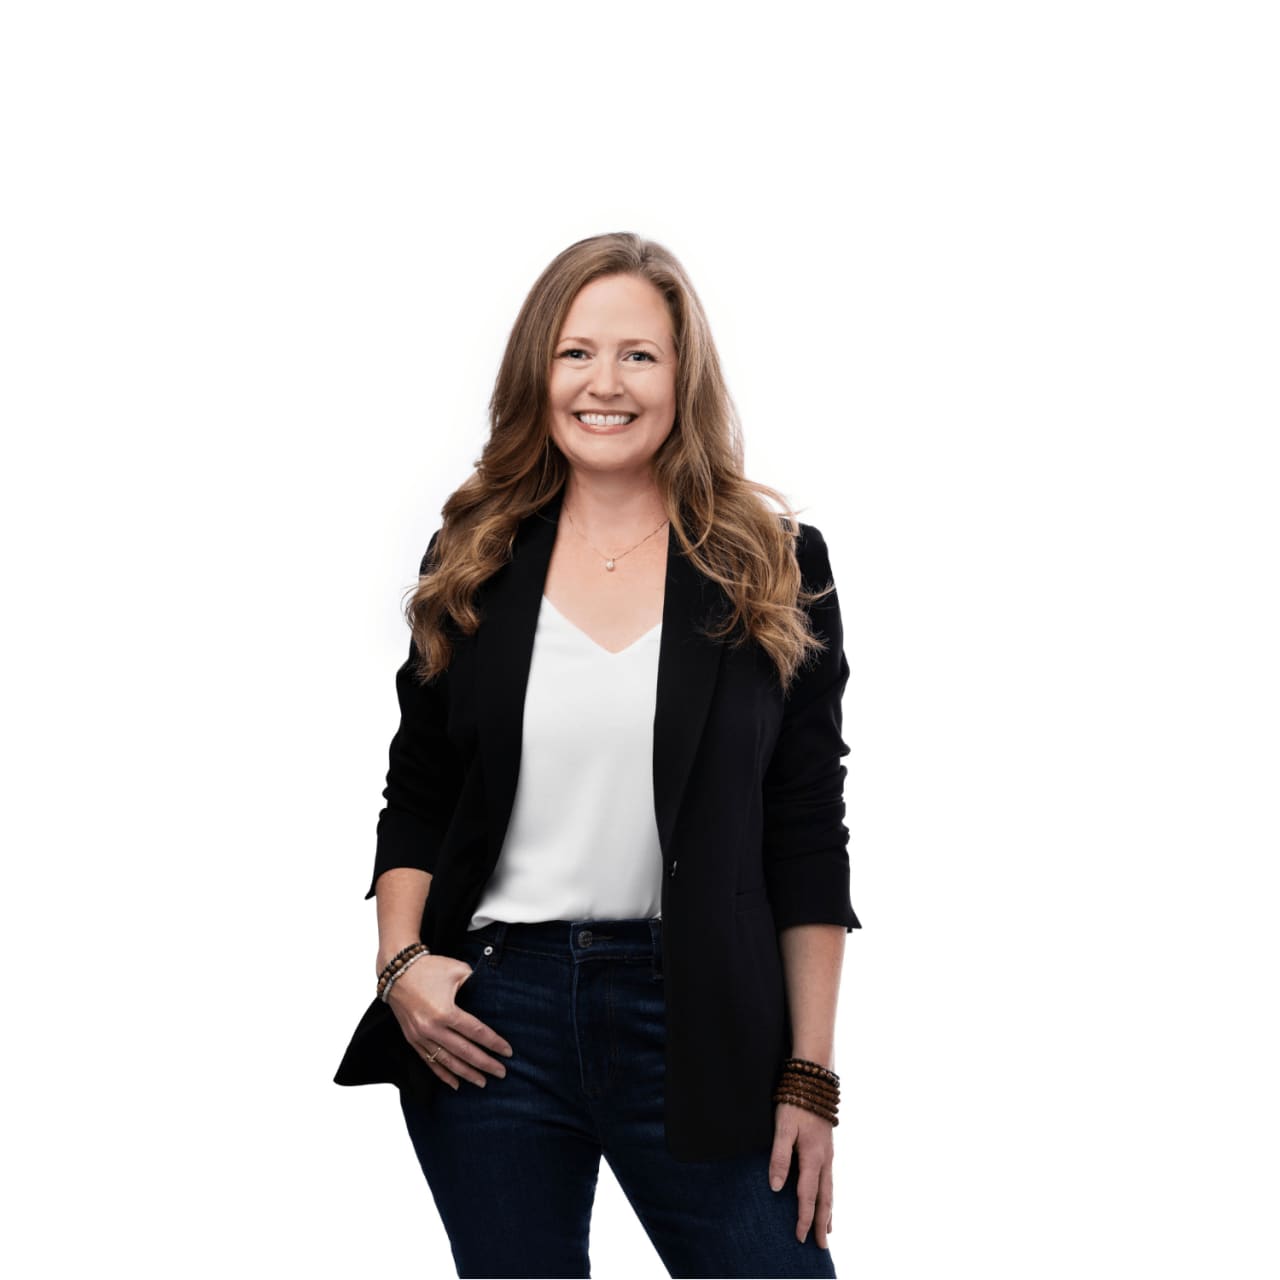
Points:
x=438 y=1052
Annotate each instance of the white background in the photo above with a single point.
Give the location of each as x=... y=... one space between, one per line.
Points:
x=995 y=286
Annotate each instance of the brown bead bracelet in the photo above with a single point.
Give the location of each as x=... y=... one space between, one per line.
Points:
x=810 y=1085
x=397 y=965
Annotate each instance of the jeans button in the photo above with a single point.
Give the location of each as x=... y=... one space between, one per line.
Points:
x=584 y=938
x=488 y=950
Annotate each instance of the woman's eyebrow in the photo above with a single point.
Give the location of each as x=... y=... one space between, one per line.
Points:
x=622 y=343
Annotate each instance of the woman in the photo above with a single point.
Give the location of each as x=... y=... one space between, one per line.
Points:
x=612 y=872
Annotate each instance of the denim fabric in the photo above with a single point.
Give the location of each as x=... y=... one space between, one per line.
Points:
x=512 y=1166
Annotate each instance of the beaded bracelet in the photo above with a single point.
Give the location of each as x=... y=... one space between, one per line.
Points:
x=398 y=957
x=391 y=981
x=404 y=951
x=397 y=965
x=810 y=1085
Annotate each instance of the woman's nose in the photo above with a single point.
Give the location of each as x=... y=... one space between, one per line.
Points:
x=606 y=379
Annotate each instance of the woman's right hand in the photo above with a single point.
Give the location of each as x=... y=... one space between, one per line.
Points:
x=423 y=1000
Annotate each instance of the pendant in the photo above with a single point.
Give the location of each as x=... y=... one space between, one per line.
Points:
x=608 y=564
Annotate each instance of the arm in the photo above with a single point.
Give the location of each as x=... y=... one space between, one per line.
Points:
x=421 y=792
x=806 y=864
x=805 y=840
x=812 y=957
x=402 y=897
x=423 y=776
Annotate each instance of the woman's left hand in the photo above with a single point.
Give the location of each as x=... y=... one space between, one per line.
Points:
x=811 y=1137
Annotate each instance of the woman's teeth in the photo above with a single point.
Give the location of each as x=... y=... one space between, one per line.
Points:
x=604 y=419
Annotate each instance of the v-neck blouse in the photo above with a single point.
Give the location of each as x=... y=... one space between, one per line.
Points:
x=582 y=842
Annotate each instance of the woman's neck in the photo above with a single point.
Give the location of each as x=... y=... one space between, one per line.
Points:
x=611 y=509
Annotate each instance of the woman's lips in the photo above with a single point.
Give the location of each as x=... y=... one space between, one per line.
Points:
x=605 y=431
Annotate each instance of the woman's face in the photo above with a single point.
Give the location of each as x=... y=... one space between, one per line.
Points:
x=615 y=355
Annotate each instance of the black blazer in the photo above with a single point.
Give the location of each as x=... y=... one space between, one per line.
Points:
x=748 y=798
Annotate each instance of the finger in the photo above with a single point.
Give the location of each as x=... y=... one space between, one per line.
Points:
x=472 y=1061
x=456 y=1053
x=823 y=1209
x=436 y=1061
x=481 y=1034
x=807 y=1193
x=418 y=1034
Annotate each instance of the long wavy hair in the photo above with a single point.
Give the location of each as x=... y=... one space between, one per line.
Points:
x=719 y=517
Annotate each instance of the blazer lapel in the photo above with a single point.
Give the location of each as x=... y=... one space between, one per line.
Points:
x=687 y=667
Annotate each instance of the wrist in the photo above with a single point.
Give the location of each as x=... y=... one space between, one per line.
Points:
x=823 y=1054
x=391 y=948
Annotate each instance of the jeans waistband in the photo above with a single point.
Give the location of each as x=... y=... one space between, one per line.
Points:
x=573 y=939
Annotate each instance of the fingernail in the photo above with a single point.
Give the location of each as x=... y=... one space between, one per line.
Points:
x=775 y=1182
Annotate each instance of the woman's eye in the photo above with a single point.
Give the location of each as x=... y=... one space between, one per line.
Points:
x=578 y=351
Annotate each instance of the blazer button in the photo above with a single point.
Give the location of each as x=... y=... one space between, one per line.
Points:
x=674 y=864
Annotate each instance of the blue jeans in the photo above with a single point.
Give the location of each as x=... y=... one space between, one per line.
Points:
x=512 y=1166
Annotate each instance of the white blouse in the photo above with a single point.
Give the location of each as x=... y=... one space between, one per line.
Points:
x=582 y=843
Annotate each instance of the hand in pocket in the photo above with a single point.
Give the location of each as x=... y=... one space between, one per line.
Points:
x=424 y=1001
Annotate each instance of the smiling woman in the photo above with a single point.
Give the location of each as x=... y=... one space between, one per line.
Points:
x=606 y=383
x=611 y=872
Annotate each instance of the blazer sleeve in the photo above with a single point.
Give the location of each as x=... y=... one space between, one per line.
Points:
x=806 y=858
x=423 y=778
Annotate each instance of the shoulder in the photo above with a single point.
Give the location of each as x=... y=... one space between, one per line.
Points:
x=810 y=542
x=811 y=553
x=427 y=555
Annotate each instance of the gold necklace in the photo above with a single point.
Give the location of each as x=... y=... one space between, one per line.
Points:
x=609 y=561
